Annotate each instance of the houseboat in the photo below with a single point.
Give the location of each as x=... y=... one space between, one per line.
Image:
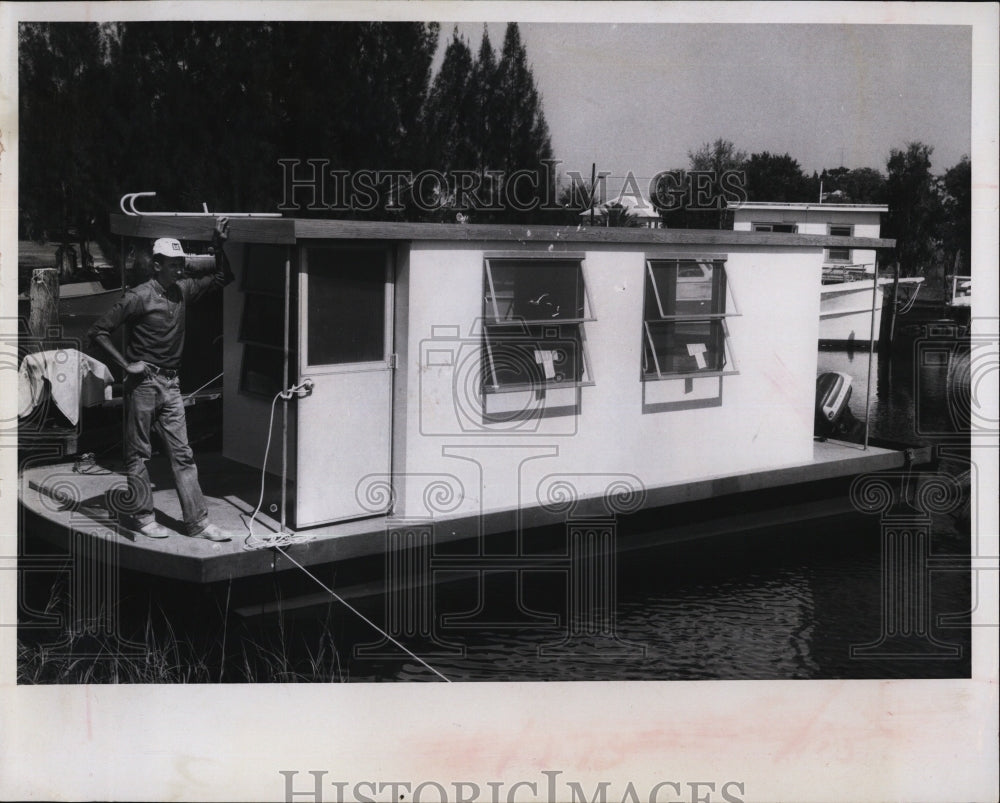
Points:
x=476 y=379
x=852 y=295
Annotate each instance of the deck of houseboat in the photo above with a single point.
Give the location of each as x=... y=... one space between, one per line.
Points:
x=64 y=501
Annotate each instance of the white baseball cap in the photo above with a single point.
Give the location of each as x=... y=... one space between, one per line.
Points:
x=168 y=247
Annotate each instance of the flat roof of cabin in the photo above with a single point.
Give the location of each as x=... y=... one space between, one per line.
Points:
x=292 y=230
x=799 y=206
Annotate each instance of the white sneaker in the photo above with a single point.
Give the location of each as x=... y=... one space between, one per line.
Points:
x=153 y=530
x=212 y=533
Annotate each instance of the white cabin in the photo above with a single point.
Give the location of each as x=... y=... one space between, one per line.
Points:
x=843 y=220
x=448 y=371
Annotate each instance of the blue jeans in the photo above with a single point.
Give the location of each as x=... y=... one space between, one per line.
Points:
x=155 y=401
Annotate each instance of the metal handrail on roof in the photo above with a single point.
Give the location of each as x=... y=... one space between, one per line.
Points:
x=127 y=205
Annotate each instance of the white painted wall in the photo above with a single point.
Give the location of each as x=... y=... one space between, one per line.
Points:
x=816 y=220
x=765 y=420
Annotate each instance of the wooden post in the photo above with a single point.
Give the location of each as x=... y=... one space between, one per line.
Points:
x=885 y=343
x=871 y=351
x=44 y=299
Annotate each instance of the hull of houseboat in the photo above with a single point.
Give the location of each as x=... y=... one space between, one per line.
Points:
x=75 y=511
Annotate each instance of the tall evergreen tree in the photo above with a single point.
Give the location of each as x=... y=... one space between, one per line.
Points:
x=450 y=111
x=487 y=119
x=203 y=111
x=521 y=137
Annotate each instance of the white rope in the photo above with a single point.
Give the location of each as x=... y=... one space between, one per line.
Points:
x=252 y=540
x=360 y=615
x=278 y=540
x=908 y=304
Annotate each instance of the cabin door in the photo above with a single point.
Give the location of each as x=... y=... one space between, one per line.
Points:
x=345 y=349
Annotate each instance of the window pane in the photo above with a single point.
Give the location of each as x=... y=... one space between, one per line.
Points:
x=684 y=347
x=537 y=289
x=840 y=254
x=685 y=287
x=263 y=317
x=262 y=370
x=264 y=271
x=346 y=306
x=840 y=231
x=533 y=355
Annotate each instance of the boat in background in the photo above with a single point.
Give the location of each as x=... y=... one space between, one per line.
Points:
x=959 y=303
x=88 y=286
x=850 y=308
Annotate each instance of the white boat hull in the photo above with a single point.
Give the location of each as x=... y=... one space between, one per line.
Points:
x=845 y=312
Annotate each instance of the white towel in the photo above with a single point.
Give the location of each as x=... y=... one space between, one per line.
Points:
x=75 y=379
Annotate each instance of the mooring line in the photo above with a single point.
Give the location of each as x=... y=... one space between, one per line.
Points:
x=360 y=615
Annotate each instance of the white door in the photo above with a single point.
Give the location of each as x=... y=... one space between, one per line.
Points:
x=345 y=348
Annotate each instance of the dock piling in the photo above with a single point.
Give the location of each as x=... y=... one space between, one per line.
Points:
x=44 y=300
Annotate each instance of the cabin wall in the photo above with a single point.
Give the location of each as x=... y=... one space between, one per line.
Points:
x=244 y=417
x=818 y=221
x=447 y=462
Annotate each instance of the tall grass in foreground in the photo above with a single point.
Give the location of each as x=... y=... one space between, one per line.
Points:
x=158 y=654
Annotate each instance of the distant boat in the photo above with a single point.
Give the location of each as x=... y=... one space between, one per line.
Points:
x=846 y=307
x=86 y=299
x=959 y=291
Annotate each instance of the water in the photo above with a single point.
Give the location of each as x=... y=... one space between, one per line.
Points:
x=799 y=601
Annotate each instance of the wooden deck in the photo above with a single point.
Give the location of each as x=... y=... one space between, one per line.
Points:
x=64 y=501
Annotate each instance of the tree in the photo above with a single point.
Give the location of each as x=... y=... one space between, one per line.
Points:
x=709 y=189
x=770 y=177
x=914 y=207
x=203 y=111
x=863 y=185
x=63 y=166
x=957 y=207
x=450 y=111
x=720 y=156
x=520 y=139
x=487 y=120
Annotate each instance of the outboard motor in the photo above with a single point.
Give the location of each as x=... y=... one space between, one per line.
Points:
x=833 y=416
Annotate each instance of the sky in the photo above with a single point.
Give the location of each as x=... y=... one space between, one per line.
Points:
x=638 y=97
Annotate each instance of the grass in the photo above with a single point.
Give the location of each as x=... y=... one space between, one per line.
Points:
x=233 y=652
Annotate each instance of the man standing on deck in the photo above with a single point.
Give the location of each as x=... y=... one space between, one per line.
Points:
x=155 y=315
